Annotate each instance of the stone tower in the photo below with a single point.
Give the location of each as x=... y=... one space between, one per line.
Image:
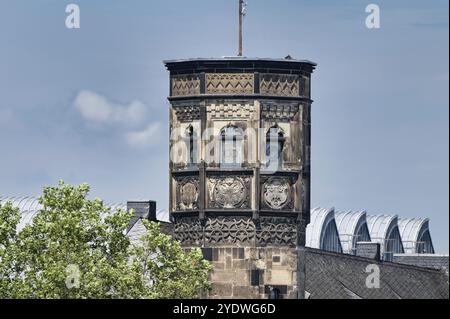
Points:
x=240 y=169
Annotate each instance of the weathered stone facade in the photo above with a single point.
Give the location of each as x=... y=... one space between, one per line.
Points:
x=224 y=193
x=251 y=272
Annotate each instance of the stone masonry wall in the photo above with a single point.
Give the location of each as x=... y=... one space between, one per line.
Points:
x=251 y=273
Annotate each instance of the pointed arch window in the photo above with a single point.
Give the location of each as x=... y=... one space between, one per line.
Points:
x=275 y=141
x=231 y=142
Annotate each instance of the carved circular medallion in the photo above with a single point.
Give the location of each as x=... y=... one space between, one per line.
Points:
x=230 y=192
x=276 y=193
x=189 y=195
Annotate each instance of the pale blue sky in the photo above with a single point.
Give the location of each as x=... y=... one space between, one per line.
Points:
x=380 y=116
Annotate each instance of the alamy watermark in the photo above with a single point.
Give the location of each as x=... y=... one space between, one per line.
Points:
x=73 y=277
x=373 y=279
x=373 y=20
x=73 y=19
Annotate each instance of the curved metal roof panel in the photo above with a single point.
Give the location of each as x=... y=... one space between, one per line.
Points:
x=29 y=206
x=348 y=224
x=380 y=225
x=316 y=231
x=384 y=230
x=411 y=230
x=410 y=227
x=315 y=226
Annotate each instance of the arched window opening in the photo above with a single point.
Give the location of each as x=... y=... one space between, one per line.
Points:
x=393 y=245
x=362 y=235
x=424 y=244
x=275 y=141
x=191 y=146
x=330 y=240
x=231 y=147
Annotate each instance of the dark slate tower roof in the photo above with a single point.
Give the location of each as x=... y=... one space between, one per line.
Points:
x=239 y=64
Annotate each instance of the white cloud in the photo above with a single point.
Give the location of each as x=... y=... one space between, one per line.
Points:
x=146 y=137
x=127 y=120
x=96 y=108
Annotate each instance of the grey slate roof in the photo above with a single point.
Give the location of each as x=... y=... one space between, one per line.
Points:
x=431 y=261
x=339 y=276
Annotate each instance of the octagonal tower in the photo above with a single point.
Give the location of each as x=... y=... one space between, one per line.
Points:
x=240 y=168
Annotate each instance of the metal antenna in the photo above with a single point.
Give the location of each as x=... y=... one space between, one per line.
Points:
x=242 y=13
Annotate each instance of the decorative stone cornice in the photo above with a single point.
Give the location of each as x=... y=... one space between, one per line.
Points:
x=230 y=110
x=279 y=111
x=279 y=85
x=184 y=85
x=187 y=113
x=230 y=83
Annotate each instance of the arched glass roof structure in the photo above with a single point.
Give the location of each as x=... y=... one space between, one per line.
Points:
x=352 y=228
x=328 y=230
x=415 y=235
x=322 y=232
x=29 y=207
x=384 y=230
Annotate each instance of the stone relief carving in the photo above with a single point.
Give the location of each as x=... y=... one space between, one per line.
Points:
x=188 y=231
x=229 y=83
x=229 y=192
x=279 y=111
x=276 y=192
x=280 y=84
x=183 y=85
x=271 y=231
x=229 y=230
x=187 y=194
x=230 y=111
x=279 y=231
x=187 y=113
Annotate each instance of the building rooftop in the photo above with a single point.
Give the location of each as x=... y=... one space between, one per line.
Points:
x=339 y=276
x=239 y=59
x=29 y=206
x=352 y=228
x=415 y=235
x=239 y=65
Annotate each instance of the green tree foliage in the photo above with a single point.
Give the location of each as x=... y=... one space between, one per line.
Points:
x=77 y=248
